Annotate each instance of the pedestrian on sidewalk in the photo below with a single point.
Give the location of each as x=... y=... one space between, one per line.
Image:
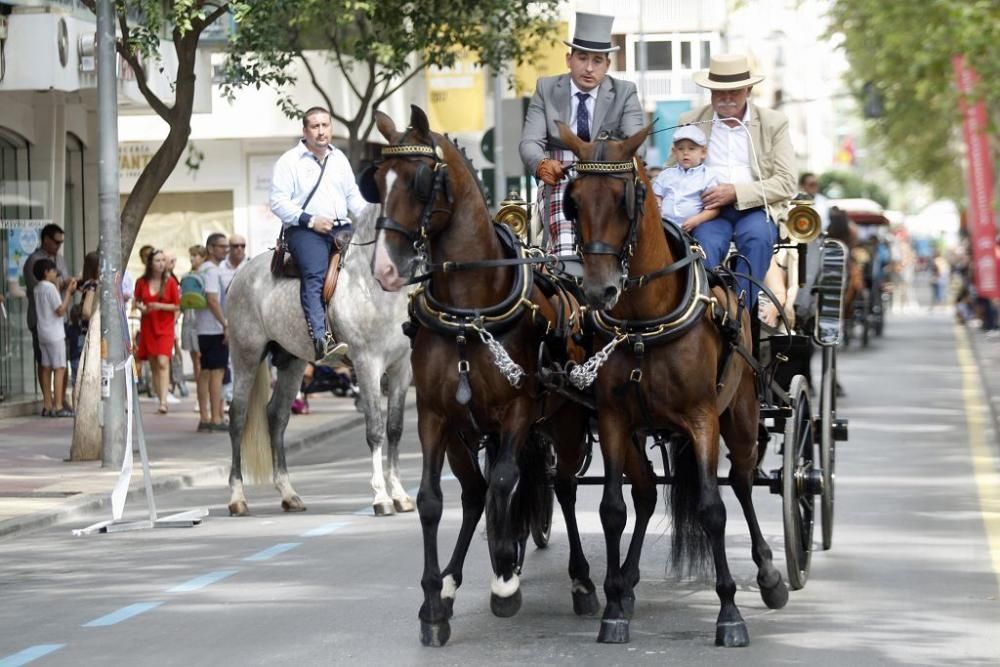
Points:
x=213 y=339
x=157 y=297
x=192 y=300
x=50 y=311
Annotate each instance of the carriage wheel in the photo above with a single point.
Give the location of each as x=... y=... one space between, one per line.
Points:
x=541 y=520
x=827 y=445
x=798 y=457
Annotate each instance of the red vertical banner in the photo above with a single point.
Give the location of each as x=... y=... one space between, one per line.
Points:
x=979 y=181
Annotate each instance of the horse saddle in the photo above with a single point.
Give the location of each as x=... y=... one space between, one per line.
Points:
x=283 y=264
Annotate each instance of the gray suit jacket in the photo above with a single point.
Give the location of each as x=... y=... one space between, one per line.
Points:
x=776 y=182
x=615 y=110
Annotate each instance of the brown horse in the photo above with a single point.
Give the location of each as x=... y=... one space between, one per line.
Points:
x=667 y=373
x=476 y=328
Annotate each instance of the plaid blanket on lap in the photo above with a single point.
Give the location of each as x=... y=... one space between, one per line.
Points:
x=561 y=238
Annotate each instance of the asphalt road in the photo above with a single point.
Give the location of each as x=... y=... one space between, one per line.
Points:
x=909 y=580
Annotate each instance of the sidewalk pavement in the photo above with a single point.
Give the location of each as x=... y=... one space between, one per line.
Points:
x=39 y=488
x=986 y=349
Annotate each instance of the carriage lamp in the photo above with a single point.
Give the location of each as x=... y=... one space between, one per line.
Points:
x=514 y=213
x=803 y=222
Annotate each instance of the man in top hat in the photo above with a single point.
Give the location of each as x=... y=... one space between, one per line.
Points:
x=750 y=152
x=590 y=103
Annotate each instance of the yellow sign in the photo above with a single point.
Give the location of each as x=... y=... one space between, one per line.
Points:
x=133 y=158
x=457 y=96
x=550 y=60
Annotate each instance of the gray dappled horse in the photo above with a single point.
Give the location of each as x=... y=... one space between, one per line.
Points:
x=265 y=316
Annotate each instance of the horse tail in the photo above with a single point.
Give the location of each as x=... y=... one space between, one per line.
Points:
x=690 y=552
x=255 y=447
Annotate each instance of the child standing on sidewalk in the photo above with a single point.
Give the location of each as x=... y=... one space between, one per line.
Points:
x=51 y=309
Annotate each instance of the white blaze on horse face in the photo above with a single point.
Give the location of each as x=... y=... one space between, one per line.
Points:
x=383 y=268
x=504 y=589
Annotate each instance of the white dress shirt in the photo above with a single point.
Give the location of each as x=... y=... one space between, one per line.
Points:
x=729 y=150
x=295 y=174
x=574 y=103
x=680 y=191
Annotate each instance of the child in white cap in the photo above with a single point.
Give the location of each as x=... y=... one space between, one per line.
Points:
x=679 y=188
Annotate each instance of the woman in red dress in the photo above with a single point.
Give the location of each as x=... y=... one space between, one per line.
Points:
x=158 y=298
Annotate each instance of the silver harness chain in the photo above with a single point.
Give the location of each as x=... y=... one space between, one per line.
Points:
x=507 y=366
x=583 y=376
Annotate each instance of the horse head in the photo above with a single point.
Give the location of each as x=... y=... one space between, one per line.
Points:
x=605 y=201
x=418 y=193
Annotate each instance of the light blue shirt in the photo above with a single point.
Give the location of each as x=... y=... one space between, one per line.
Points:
x=680 y=190
x=295 y=174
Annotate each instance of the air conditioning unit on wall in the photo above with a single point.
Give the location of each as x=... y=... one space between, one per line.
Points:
x=41 y=50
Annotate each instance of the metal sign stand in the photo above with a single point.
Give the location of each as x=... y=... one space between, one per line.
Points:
x=184 y=519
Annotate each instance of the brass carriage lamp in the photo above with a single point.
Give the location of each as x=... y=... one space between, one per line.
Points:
x=514 y=213
x=803 y=222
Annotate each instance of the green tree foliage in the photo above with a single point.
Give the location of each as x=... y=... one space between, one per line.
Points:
x=849 y=185
x=377 y=45
x=142 y=24
x=904 y=50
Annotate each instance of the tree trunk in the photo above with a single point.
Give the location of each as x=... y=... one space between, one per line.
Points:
x=87 y=397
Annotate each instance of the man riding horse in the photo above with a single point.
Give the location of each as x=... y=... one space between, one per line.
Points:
x=591 y=103
x=312 y=190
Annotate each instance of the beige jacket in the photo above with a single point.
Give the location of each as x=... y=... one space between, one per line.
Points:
x=773 y=147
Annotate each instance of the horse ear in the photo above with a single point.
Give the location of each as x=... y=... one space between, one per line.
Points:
x=418 y=120
x=631 y=145
x=569 y=138
x=385 y=126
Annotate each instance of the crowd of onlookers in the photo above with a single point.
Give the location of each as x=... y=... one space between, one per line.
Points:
x=60 y=308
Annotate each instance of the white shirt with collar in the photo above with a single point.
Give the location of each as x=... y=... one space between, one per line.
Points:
x=680 y=189
x=729 y=150
x=295 y=174
x=574 y=103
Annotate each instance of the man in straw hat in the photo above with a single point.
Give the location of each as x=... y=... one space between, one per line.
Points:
x=589 y=102
x=750 y=152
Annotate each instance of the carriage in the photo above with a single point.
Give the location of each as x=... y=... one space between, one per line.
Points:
x=870 y=251
x=501 y=363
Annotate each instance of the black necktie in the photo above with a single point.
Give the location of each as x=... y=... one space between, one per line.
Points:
x=582 y=117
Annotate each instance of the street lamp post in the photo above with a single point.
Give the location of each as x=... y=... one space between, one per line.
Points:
x=109 y=244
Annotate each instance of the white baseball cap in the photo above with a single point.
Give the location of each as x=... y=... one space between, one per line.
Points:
x=691 y=133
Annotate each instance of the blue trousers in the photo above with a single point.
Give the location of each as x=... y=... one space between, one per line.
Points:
x=754 y=235
x=311 y=251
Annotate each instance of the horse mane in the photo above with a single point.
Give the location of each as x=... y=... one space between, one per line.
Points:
x=469 y=166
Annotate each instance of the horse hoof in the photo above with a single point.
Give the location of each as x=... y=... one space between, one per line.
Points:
x=293 y=504
x=586 y=604
x=404 y=504
x=435 y=634
x=239 y=508
x=505 y=607
x=628 y=605
x=383 y=509
x=775 y=594
x=732 y=634
x=613 y=631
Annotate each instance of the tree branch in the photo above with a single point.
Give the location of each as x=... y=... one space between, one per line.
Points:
x=322 y=92
x=158 y=105
x=340 y=61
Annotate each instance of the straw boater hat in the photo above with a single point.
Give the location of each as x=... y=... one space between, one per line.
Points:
x=593 y=33
x=726 y=72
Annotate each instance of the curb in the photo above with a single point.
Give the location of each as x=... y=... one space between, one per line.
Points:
x=988 y=392
x=77 y=505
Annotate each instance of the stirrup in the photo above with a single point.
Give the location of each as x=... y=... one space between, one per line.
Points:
x=332 y=351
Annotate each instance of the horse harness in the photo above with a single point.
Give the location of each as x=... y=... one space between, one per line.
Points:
x=460 y=323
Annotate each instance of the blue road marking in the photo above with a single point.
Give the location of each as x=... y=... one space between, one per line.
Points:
x=202 y=581
x=122 y=614
x=271 y=552
x=29 y=654
x=325 y=529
